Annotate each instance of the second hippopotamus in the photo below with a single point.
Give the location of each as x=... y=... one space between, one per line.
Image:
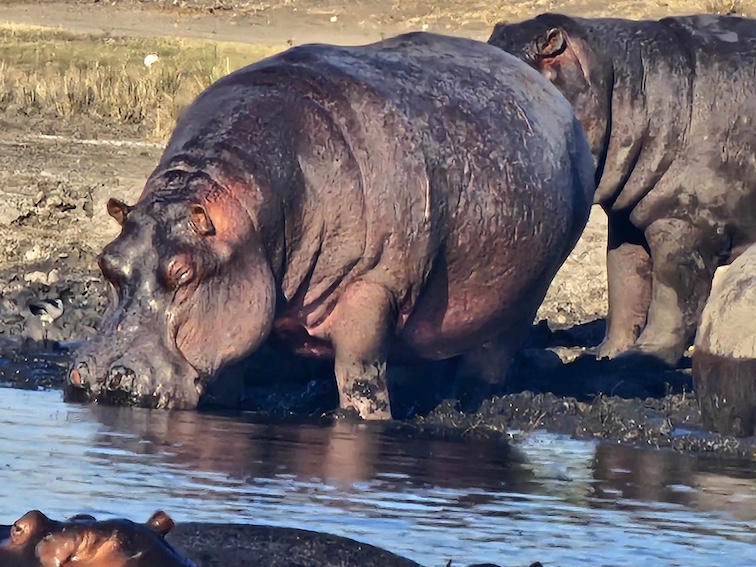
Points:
x=408 y=199
x=668 y=108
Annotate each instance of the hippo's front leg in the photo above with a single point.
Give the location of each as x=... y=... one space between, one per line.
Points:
x=360 y=330
x=628 y=271
x=683 y=267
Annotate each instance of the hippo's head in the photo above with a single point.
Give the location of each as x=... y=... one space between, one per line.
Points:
x=27 y=531
x=558 y=47
x=190 y=290
x=111 y=543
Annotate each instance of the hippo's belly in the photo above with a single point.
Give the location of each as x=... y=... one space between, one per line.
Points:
x=497 y=300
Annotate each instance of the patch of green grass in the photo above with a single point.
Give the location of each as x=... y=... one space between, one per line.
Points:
x=52 y=72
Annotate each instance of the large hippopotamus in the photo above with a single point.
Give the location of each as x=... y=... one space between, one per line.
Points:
x=410 y=199
x=668 y=109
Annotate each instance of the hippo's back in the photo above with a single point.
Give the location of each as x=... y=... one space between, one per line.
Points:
x=455 y=103
x=425 y=81
x=719 y=36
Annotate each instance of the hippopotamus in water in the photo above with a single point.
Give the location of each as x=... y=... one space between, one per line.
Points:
x=407 y=199
x=112 y=543
x=18 y=542
x=668 y=109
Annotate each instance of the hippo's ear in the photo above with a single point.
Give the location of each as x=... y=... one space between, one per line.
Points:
x=161 y=522
x=553 y=43
x=497 y=26
x=200 y=220
x=118 y=210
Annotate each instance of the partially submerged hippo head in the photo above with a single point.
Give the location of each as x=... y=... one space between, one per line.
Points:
x=184 y=300
x=19 y=548
x=112 y=543
x=556 y=46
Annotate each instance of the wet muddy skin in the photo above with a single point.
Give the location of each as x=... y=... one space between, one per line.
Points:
x=585 y=398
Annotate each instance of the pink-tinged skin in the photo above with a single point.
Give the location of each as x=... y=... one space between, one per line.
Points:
x=667 y=106
x=405 y=200
x=112 y=543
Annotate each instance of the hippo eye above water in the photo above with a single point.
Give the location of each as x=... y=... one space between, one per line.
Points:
x=179 y=272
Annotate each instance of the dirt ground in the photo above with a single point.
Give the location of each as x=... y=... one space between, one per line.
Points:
x=55 y=178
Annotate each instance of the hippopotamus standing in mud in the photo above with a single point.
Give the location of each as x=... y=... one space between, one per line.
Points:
x=668 y=107
x=408 y=199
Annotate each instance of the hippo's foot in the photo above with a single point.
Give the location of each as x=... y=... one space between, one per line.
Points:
x=350 y=415
x=612 y=347
x=648 y=357
x=364 y=392
x=122 y=386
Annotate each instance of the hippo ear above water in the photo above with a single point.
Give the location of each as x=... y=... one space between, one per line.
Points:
x=553 y=43
x=118 y=210
x=161 y=522
x=201 y=220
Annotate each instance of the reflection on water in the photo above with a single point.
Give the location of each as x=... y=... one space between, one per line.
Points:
x=572 y=503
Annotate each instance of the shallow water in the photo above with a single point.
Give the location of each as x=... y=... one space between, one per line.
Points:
x=572 y=503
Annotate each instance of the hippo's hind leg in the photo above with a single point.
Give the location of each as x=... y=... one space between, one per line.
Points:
x=684 y=260
x=360 y=331
x=628 y=270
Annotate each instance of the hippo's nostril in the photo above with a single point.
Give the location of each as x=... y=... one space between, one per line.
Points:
x=120 y=377
x=79 y=375
x=75 y=378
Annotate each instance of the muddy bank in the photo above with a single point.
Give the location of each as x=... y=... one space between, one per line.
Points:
x=252 y=546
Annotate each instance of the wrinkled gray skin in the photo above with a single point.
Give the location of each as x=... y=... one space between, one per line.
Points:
x=668 y=108
x=408 y=199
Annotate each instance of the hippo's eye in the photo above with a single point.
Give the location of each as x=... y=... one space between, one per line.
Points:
x=179 y=272
x=17 y=531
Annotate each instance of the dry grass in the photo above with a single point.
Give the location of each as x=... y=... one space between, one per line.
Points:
x=53 y=73
x=452 y=14
x=729 y=7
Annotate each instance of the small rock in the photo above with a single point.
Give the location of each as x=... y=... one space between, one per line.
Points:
x=53 y=276
x=36 y=277
x=34 y=253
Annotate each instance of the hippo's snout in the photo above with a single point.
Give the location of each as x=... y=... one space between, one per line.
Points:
x=133 y=380
x=80 y=381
